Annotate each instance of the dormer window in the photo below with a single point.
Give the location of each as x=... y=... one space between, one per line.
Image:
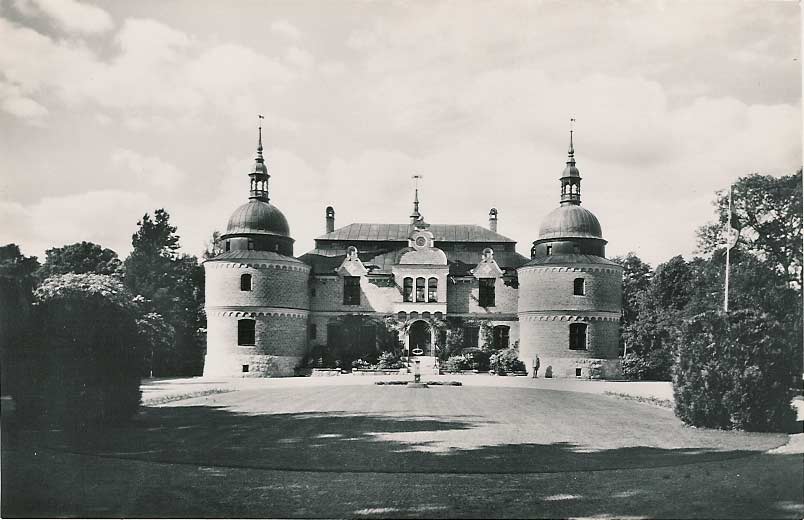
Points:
x=432 y=290
x=549 y=250
x=420 y=289
x=407 y=290
x=351 y=290
x=487 y=292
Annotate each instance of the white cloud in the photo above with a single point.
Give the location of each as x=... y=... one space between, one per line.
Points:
x=13 y=102
x=148 y=170
x=55 y=221
x=285 y=29
x=70 y=15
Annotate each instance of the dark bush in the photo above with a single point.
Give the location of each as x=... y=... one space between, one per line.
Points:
x=389 y=360
x=506 y=361
x=733 y=371
x=653 y=365
x=457 y=364
x=80 y=364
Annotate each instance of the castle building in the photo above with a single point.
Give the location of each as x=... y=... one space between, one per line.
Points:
x=430 y=285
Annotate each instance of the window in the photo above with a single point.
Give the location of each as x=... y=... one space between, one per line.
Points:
x=487 y=292
x=228 y=246
x=419 y=289
x=501 y=336
x=578 y=372
x=577 y=339
x=407 y=290
x=312 y=292
x=432 y=290
x=313 y=331
x=351 y=290
x=470 y=337
x=245 y=368
x=549 y=250
x=245 y=282
x=245 y=332
x=250 y=245
x=579 y=288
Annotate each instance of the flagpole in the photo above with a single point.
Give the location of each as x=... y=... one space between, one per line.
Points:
x=728 y=249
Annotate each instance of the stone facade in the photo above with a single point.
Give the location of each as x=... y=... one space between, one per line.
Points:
x=562 y=306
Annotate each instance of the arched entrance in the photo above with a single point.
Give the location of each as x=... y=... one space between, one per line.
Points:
x=420 y=339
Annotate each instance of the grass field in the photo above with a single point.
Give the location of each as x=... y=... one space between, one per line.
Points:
x=336 y=450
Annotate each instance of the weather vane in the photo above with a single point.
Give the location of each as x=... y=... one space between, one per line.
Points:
x=416 y=178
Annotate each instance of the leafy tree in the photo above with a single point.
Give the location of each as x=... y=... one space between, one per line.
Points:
x=659 y=310
x=733 y=371
x=81 y=257
x=80 y=362
x=768 y=212
x=173 y=286
x=636 y=281
x=16 y=296
x=158 y=338
x=214 y=246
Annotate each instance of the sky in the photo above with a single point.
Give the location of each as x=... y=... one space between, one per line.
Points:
x=109 y=110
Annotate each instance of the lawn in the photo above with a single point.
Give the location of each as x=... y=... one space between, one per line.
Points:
x=289 y=450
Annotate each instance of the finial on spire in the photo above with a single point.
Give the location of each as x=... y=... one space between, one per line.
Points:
x=416 y=216
x=259 y=130
x=572 y=130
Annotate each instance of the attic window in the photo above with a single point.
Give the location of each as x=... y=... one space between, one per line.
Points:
x=549 y=250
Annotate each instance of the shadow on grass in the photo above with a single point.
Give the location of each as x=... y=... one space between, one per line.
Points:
x=346 y=442
x=362 y=462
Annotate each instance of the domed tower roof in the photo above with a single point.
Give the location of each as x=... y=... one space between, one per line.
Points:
x=570 y=221
x=258 y=218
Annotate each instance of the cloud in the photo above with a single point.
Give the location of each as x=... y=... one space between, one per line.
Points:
x=13 y=102
x=148 y=170
x=70 y=15
x=55 y=221
x=285 y=29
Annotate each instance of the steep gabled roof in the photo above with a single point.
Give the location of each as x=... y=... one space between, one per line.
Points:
x=401 y=232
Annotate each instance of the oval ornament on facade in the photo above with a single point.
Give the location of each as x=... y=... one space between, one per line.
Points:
x=417 y=351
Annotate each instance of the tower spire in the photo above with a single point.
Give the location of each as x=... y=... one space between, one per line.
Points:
x=416 y=216
x=259 y=175
x=571 y=177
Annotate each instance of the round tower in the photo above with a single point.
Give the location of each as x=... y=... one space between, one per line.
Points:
x=570 y=295
x=256 y=292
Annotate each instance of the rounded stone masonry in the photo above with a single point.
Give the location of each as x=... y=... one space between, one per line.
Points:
x=257 y=309
x=278 y=347
x=569 y=318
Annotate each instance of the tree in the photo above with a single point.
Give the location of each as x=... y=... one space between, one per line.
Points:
x=636 y=281
x=733 y=371
x=659 y=310
x=768 y=212
x=79 y=258
x=173 y=287
x=16 y=296
x=79 y=363
x=214 y=246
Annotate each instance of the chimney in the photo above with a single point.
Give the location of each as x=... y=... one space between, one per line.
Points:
x=330 y=219
x=493 y=219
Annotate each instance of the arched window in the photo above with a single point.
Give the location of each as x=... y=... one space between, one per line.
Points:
x=245 y=282
x=432 y=290
x=420 y=289
x=577 y=338
x=246 y=334
x=579 y=287
x=407 y=290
